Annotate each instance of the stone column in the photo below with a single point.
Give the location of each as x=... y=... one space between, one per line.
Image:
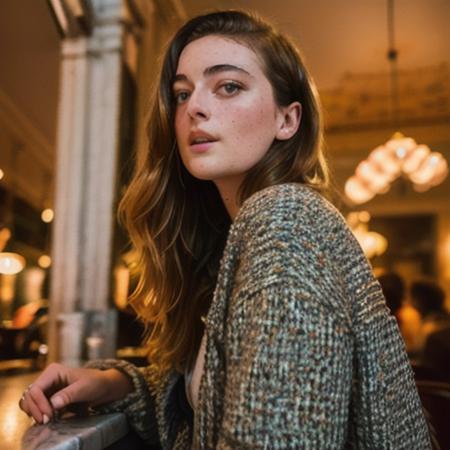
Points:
x=87 y=148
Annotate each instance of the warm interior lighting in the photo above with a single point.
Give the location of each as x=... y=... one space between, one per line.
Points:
x=47 y=215
x=400 y=156
x=121 y=286
x=372 y=243
x=5 y=235
x=2 y=174
x=11 y=263
x=444 y=251
x=45 y=261
x=364 y=216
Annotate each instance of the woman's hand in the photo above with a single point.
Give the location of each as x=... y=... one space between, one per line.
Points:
x=58 y=387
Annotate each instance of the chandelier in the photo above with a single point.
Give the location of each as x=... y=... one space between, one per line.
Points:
x=400 y=156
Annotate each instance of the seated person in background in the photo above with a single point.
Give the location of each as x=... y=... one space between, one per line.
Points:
x=429 y=299
x=436 y=354
x=408 y=318
x=394 y=290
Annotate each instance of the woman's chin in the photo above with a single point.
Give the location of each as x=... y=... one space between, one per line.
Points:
x=203 y=173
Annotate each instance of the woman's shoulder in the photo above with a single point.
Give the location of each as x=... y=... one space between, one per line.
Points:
x=293 y=203
x=297 y=217
x=281 y=193
x=289 y=235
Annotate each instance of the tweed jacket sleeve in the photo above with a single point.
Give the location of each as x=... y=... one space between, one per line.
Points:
x=152 y=408
x=313 y=360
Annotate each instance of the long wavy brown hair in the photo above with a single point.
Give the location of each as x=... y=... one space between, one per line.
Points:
x=177 y=223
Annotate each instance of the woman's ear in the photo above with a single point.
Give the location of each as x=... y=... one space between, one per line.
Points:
x=291 y=117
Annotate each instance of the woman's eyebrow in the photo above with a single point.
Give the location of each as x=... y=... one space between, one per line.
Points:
x=213 y=70
x=223 y=68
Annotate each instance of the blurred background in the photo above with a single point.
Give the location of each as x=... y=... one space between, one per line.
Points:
x=74 y=89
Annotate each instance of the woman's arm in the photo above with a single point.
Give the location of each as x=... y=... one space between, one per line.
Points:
x=139 y=402
x=105 y=385
x=58 y=387
x=154 y=407
x=289 y=364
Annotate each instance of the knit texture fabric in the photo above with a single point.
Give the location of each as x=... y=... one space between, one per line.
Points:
x=301 y=350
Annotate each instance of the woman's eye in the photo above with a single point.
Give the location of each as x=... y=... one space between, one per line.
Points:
x=230 y=88
x=181 y=97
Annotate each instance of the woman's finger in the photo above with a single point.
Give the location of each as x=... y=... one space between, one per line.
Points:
x=82 y=386
x=34 y=401
x=52 y=378
x=73 y=393
x=41 y=402
x=58 y=387
x=32 y=408
x=23 y=404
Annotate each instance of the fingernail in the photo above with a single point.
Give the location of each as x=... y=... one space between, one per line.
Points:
x=57 y=402
x=32 y=421
x=45 y=419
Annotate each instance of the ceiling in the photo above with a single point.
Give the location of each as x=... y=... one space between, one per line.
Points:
x=339 y=36
x=29 y=51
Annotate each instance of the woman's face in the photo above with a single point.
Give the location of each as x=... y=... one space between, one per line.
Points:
x=226 y=116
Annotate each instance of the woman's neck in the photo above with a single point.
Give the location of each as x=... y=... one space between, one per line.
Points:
x=228 y=190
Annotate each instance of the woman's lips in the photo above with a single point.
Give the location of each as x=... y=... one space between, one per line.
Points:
x=201 y=147
x=200 y=141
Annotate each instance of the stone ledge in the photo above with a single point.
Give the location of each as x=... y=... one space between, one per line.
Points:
x=76 y=433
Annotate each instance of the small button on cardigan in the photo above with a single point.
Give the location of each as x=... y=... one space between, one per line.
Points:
x=301 y=350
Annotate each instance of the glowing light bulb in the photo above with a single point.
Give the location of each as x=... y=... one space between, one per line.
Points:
x=364 y=216
x=45 y=261
x=400 y=152
x=11 y=263
x=47 y=215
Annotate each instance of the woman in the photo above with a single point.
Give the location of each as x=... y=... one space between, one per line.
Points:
x=296 y=348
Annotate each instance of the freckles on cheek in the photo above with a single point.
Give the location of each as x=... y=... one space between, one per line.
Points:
x=260 y=116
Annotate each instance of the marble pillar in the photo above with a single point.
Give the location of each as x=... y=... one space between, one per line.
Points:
x=87 y=152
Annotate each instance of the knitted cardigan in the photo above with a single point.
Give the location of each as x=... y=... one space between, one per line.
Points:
x=301 y=350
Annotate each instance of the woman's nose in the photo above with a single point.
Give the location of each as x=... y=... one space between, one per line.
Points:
x=198 y=106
